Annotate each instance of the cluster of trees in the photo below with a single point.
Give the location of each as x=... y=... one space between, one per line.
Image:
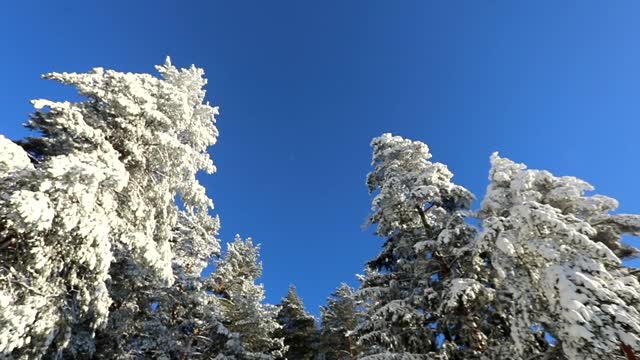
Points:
x=105 y=232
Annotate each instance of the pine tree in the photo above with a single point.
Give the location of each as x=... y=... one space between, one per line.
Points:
x=88 y=217
x=555 y=254
x=163 y=130
x=185 y=319
x=339 y=320
x=420 y=287
x=298 y=328
x=242 y=310
x=57 y=218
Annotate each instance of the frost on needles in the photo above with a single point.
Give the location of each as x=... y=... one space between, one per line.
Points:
x=555 y=254
x=96 y=257
x=420 y=294
x=542 y=279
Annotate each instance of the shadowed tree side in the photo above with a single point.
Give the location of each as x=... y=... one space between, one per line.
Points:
x=298 y=328
x=339 y=319
x=240 y=299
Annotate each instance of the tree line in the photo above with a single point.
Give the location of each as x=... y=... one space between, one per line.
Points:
x=105 y=232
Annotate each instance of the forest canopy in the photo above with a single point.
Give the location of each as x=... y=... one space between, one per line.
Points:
x=105 y=231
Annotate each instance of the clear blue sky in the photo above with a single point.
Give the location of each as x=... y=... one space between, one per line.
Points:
x=304 y=86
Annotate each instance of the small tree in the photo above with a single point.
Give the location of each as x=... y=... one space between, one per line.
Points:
x=339 y=320
x=298 y=328
x=553 y=250
x=241 y=299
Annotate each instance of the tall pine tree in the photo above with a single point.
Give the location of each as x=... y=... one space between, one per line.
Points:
x=419 y=288
x=91 y=237
x=555 y=254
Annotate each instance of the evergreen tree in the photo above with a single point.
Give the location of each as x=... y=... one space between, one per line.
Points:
x=298 y=328
x=105 y=232
x=339 y=320
x=419 y=288
x=185 y=319
x=241 y=299
x=88 y=218
x=163 y=129
x=556 y=253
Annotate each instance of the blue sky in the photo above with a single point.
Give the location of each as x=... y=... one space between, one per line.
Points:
x=304 y=86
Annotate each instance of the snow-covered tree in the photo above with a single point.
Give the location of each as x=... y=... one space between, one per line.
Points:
x=88 y=216
x=56 y=217
x=298 y=328
x=419 y=287
x=242 y=310
x=185 y=319
x=339 y=319
x=54 y=252
x=555 y=254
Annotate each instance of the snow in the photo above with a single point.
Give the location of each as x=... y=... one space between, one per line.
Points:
x=505 y=245
x=13 y=158
x=565 y=278
x=96 y=212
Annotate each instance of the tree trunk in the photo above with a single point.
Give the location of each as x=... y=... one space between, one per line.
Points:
x=628 y=352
